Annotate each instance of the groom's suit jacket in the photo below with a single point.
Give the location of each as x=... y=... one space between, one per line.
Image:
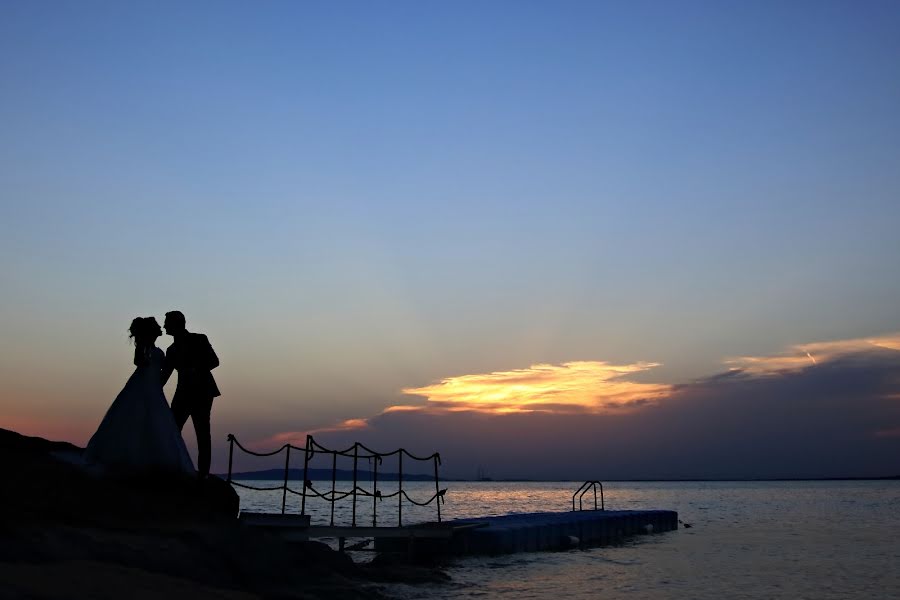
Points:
x=193 y=357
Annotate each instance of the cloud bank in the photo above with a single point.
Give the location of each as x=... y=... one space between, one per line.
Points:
x=828 y=409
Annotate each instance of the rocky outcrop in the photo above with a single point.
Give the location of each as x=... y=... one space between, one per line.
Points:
x=65 y=533
x=45 y=481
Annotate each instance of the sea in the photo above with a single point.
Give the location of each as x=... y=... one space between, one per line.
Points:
x=815 y=540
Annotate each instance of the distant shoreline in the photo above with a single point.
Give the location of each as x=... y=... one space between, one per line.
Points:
x=362 y=476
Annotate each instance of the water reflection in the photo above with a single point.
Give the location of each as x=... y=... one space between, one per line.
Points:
x=749 y=540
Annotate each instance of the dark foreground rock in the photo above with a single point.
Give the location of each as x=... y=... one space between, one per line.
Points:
x=67 y=534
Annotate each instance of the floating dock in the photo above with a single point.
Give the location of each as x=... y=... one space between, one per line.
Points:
x=524 y=532
x=535 y=532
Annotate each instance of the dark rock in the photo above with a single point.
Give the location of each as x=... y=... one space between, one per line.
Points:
x=41 y=482
x=393 y=568
x=11 y=440
x=219 y=498
x=174 y=532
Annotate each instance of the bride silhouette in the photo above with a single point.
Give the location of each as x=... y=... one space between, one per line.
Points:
x=139 y=433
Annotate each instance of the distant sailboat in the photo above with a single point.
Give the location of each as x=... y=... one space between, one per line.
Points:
x=482 y=475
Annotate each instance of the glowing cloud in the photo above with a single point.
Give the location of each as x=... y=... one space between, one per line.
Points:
x=298 y=438
x=801 y=356
x=402 y=408
x=584 y=386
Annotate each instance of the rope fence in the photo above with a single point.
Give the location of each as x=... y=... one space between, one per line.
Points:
x=357 y=452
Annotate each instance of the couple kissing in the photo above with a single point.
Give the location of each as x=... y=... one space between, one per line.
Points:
x=140 y=432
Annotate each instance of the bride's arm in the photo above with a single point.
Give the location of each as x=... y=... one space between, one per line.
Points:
x=141 y=358
x=167 y=368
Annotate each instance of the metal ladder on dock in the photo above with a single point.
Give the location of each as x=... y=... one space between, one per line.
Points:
x=584 y=489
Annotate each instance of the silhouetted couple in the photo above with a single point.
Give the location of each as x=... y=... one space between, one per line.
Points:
x=140 y=433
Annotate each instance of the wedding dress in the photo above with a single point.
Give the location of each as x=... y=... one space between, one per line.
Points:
x=139 y=433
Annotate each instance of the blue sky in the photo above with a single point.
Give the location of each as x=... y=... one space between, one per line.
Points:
x=352 y=199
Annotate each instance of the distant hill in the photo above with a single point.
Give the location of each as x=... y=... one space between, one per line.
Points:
x=366 y=476
x=324 y=475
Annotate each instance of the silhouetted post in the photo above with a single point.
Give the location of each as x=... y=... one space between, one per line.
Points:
x=287 y=462
x=400 y=492
x=375 y=493
x=333 y=482
x=355 y=462
x=305 y=474
x=437 y=487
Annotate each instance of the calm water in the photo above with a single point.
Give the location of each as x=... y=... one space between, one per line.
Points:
x=816 y=540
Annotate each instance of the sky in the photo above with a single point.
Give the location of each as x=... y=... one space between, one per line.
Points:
x=658 y=238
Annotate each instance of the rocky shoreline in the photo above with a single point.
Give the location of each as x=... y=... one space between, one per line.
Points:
x=65 y=533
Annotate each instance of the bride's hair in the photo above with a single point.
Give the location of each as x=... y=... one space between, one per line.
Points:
x=138 y=330
x=143 y=331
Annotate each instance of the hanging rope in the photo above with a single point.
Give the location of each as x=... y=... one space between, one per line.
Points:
x=356 y=451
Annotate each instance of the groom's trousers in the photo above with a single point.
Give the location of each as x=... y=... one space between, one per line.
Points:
x=198 y=409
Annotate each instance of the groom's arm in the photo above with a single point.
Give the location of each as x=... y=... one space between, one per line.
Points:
x=210 y=358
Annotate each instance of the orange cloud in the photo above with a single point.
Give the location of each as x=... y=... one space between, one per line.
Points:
x=589 y=386
x=402 y=408
x=801 y=356
x=298 y=438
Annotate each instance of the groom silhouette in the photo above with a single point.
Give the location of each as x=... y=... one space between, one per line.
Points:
x=193 y=357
